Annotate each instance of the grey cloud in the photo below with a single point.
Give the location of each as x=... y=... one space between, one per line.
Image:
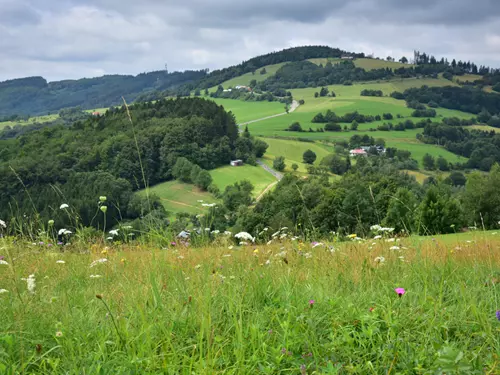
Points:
x=74 y=38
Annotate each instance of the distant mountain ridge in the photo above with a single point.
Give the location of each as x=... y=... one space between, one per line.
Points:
x=36 y=96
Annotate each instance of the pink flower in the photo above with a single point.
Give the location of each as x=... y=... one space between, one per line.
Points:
x=311 y=303
x=400 y=291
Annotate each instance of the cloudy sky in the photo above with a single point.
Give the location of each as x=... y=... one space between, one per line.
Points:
x=64 y=39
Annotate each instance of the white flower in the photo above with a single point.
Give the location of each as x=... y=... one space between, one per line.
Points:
x=63 y=206
x=390 y=240
x=216 y=231
x=227 y=233
x=59 y=334
x=63 y=232
x=95 y=276
x=395 y=248
x=275 y=234
x=375 y=228
x=114 y=232
x=2 y=224
x=295 y=238
x=379 y=259
x=318 y=244
x=283 y=236
x=200 y=201
x=377 y=237
x=3 y=291
x=284 y=228
x=268 y=262
x=226 y=255
x=244 y=236
x=265 y=229
x=207 y=229
x=3 y=262
x=230 y=247
x=308 y=255
x=31 y=283
x=282 y=254
x=269 y=242
x=197 y=267
x=387 y=230
x=60 y=262
x=127 y=227
x=243 y=243
x=109 y=238
x=98 y=261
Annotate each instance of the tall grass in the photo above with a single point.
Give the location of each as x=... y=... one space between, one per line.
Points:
x=287 y=308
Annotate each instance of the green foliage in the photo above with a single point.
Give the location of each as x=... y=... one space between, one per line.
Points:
x=239 y=194
x=401 y=210
x=429 y=162
x=309 y=157
x=279 y=163
x=203 y=180
x=295 y=167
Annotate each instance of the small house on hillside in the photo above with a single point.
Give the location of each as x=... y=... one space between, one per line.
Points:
x=96 y=113
x=358 y=152
x=236 y=163
x=346 y=57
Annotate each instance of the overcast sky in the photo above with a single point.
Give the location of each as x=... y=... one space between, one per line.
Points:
x=66 y=39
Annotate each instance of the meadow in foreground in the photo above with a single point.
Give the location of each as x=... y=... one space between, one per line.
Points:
x=381 y=306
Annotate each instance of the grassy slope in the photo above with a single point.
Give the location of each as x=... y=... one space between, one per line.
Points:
x=32 y=120
x=244 y=80
x=179 y=197
x=247 y=111
x=367 y=64
x=215 y=310
x=293 y=151
x=349 y=100
x=259 y=178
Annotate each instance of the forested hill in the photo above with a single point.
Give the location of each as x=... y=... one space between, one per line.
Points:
x=98 y=156
x=287 y=55
x=35 y=96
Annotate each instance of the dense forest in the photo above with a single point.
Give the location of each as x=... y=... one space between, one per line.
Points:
x=99 y=157
x=35 y=96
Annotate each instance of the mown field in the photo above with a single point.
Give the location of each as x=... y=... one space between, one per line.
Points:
x=180 y=197
x=248 y=111
x=417 y=306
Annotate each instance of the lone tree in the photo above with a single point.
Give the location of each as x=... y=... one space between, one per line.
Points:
x=279 y=163
x=323 y=91
x=429 y=162
x=309 y=157
x=354 y=125
x=295 y=167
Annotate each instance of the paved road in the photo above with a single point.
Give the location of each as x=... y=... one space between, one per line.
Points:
x=293 y=107
x=276 y=174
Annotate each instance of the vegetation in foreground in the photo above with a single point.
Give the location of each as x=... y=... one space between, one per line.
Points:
x=401 y=306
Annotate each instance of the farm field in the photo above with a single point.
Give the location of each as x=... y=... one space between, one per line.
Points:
x=367 y=64
x=229 y=175
x=245 y=79
x=32 y=120
x=247 y=111
x=293 y=151
x=349 y=100
x=133 y=308
x=180 y=197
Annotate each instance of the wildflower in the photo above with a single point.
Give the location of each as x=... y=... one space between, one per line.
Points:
x=284 y=228
x=371 y=309
x=60 y=262
x=390 y=240
x=400 y=291
x=311 y=303
x=275 y=234
x=109 y=238
x=63 y=206
x=231 y=247
x=256 y=251
x=98 y=261
x=375 y=228
x=59 y=334
x=3 y=262
x=2 y=224
x=244 y=236
x=283 y=236
x=227 y=256
x=216 y=231
x=104 y=252
x=50 y=222
x=316 y=244
x=242 y=243
x=95 y=276
x=31 y=284
x=307 y=255
x=200 y=201
x=227 y=233
x=3 y=291
x=123 y=260
x=207 y=229
x=114 y=232
x=379 y=259
x=269 y=242
x=209 y=204
x=197 y=267
x=497 y=313
x=268 y=262
x=64 y=232
x=394 y=248
x=352 y=236
x=377 y=237
x=303 y=369
x=104 y=209
x=102 y=198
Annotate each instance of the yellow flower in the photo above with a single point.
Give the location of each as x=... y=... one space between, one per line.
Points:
x=256 y=251
x=352 y=236
x=104 y=252
x=123 y=260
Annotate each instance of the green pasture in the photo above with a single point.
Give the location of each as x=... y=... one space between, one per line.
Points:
x=180 y=197
x=367 y=64
x=229 y=175
x=245 y=79
x=293 y=151
x=246 y=111
x=31 y=120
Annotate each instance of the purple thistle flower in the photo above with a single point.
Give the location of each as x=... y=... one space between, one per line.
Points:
x=303 y=369
x=311 y=303
x=2 y=257
x=498 y=314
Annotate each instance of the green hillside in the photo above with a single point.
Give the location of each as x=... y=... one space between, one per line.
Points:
x=365 y=63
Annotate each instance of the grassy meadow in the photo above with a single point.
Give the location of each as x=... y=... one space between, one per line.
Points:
x=248 y=111
x=229 y=175
x=285 y=308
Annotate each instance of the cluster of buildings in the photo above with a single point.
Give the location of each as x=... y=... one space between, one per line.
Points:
x=363 y=150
